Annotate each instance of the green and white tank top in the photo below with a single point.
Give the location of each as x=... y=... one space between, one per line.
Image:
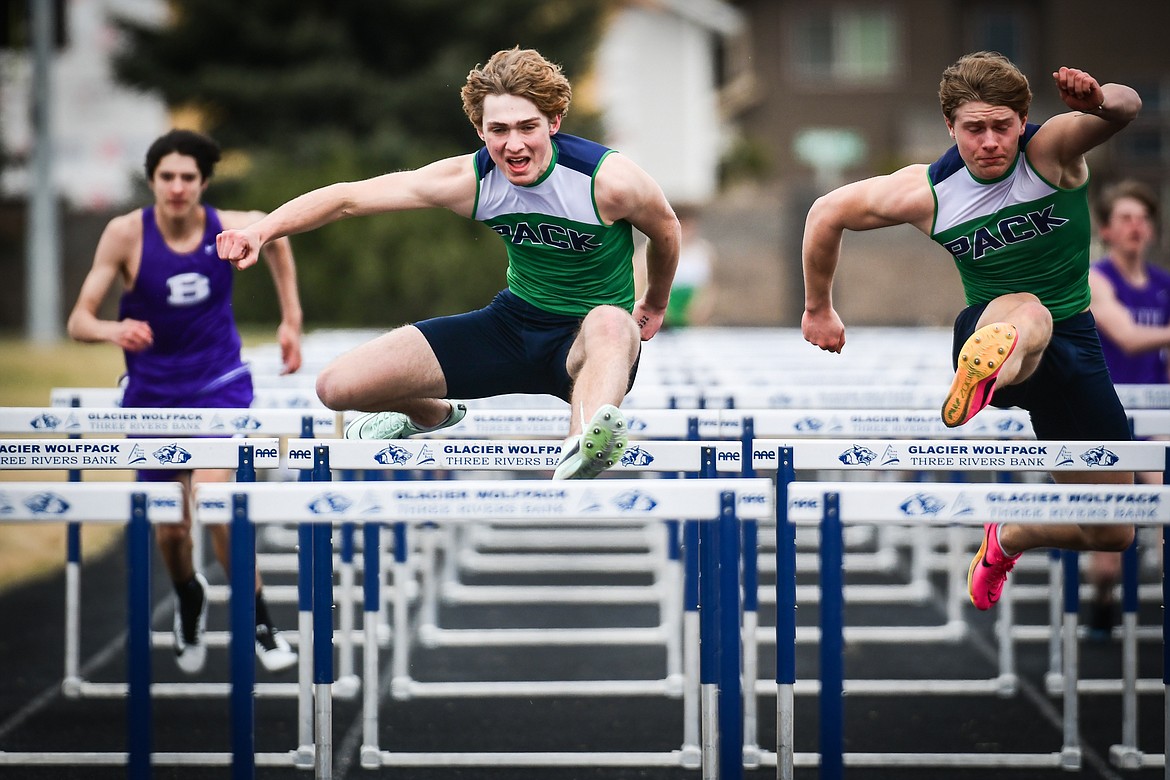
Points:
x=1017 y=233
x=561 y=257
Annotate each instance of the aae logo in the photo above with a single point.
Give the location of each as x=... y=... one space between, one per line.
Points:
x=171 y=453
x=922 y=505
x=44 y=422
x=857 y=456
x=393 y=455
x=46 y=504
x=637 y=455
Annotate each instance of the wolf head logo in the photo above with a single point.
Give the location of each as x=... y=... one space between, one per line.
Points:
x=1099 y=456
x=393 y=455
x=636 y=456
x=45 y=422
x=635 y=501
x=857 y=456
x=921 y=504
x=171 y=453
x=329 y=504
x=46 y=504
x=246 y=422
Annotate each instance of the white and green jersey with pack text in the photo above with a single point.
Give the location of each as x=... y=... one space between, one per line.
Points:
x=561 y=256
x=1017 y=233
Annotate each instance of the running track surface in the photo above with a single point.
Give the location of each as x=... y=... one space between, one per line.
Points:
x=34 y=716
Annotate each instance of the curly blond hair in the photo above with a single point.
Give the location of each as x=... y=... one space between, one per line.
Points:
x=521 y=72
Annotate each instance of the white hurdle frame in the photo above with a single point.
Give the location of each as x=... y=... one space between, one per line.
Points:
x=168 y=454
x=870 y=455
x=135 y=505
x=678 y=629
x=832 y=505
x=298 y=419
x=729 y=500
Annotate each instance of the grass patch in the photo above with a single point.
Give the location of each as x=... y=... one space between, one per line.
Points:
x=28 y=372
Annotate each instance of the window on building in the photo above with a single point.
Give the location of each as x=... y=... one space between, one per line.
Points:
x=1006 y=29
x=845 y=44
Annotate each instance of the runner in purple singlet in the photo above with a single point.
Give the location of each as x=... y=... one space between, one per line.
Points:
x=182 y=348
x=1131 y=304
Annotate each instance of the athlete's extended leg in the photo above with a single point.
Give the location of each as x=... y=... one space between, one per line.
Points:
x=1005 y=349
x=396 y=372
x=600 y=362
x=1003 y=543
x=272 y=649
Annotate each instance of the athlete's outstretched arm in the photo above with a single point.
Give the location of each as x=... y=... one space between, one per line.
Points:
x=448 y=183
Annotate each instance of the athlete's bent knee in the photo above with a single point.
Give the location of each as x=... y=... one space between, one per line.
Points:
x=331 y=390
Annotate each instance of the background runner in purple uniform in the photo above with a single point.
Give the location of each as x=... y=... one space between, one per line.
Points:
x=1131 y=304
x=182 y=348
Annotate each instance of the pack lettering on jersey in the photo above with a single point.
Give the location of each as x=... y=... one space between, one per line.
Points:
x=1009 y=230
x=546 y=234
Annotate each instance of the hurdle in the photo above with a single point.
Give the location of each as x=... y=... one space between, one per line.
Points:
x=137 y=506
x=875 y=455
x=80 y=420
x=715 y=504
x=641 y=458
x=243 y=455
x=833 y=505
x=77 y=420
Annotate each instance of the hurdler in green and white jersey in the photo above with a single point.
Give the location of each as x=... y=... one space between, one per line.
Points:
x=561 y=257
x=1017 y=233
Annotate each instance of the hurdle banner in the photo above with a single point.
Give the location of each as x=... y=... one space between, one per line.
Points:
x=554 y=423
x=832 y=504
x=507 y=454
x=129 y=421
x=724 y=501
x=936 y=455
x=262 y=397
x=167 y=454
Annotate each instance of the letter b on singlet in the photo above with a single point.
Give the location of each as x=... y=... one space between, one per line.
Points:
x=188 y=289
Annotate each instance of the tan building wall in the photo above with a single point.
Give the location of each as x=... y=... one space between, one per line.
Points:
x=897 y=276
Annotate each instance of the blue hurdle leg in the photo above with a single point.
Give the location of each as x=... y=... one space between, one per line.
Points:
x=243 y=640
x=730 y=688
x=832 y=710
x=372 y=602
x=323 y=648
x=1070 y=754
x=709 y=647
x=139 y=716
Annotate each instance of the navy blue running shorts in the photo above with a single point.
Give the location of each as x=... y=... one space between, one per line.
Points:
x=1071 y=395
x=509 y=346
